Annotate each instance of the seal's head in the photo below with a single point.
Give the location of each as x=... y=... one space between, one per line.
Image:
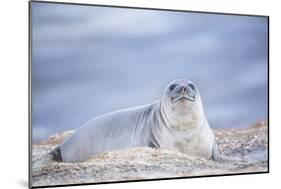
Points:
x=180 y=98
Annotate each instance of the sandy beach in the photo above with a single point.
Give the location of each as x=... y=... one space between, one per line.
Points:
x=249 y=145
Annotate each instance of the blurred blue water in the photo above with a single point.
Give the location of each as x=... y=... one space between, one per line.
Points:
x=88 y=60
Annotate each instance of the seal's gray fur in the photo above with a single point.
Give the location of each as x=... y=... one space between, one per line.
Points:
x=116 y=130
x=175 y=122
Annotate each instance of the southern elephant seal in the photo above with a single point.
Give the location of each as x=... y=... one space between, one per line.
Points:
x=175 y=122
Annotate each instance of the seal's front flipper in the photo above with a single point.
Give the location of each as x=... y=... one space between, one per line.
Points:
x=216 y=156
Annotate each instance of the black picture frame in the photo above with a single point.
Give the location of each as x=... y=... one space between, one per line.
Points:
x=30 y=34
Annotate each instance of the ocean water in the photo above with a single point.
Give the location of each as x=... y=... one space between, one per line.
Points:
x=88 y=60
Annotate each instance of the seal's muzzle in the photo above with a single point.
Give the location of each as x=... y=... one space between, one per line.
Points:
x=183 y=92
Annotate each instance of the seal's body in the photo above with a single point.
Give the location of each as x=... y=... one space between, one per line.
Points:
x=116 y=130
x=175 y=122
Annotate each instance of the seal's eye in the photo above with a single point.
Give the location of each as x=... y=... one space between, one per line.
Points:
x=172 y=86
x=192 y=86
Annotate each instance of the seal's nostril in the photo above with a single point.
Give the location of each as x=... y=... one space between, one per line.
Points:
x=183 y=89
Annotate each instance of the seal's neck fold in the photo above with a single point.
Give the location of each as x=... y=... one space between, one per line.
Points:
x=192 y=117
